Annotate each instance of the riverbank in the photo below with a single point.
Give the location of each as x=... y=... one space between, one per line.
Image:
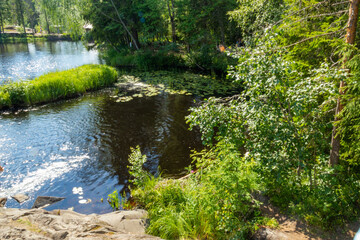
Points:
x=15 y=37
x=56 y=85
x=66 y=224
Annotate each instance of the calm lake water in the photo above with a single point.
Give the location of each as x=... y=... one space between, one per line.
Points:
x=27 y=61
x=78 y=149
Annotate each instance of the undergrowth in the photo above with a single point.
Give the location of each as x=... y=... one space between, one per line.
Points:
x=212 y=202
x=56 y=85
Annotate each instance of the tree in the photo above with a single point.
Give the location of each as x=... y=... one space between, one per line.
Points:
x=350 y=39
x=20 y=13
x=171 y=10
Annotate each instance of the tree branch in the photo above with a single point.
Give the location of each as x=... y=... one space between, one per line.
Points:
x=317 y=36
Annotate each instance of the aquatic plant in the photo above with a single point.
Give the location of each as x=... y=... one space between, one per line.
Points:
x=184 y=83
x=57 y=85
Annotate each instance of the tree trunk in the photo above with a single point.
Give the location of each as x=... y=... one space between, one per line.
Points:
x=21 y=13
x=135 y=41
x=172 y=19
x=221 y=27
x=135 y=35
x=350 y=39
x=1 y=24
x=47 y=22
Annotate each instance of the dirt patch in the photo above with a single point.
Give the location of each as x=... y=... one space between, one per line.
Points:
x=291 y=228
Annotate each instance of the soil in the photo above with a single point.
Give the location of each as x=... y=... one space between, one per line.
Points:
x=291 y=228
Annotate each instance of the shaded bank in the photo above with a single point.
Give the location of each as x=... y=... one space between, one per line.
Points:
x=57 y=85
x=21 y=37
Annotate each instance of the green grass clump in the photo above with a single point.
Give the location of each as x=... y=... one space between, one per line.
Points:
x=57 y=85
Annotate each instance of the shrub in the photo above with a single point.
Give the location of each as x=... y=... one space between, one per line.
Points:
x=213 y=203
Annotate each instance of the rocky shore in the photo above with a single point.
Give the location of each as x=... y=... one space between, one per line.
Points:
x=65 y=224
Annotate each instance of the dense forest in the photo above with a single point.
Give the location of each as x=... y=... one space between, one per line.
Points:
x=290 y=131
x=50 y=16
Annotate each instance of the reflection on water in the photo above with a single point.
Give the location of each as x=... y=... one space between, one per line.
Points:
x=30 y=60
x=84 y=144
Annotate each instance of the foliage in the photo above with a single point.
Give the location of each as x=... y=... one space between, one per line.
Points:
x=349 y=125
x=282 y=119
x=253 y=17
x=136 y=170
x=313 y=31
x=56 y=85
x=114 y=200
x=213 y=203
x=51 y=15
x=208 y=59
x=165 y=57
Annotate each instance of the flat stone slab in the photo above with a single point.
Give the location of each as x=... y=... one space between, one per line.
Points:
x=3 y=202
x=64 y=224
x=20 y=198
x=44 y=201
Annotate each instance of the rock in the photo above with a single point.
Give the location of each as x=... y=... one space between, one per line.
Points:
x=64 y=224
x=129 y=221
x=3 y=202
x=20 y=197
x=270 y=234
x=42 y=201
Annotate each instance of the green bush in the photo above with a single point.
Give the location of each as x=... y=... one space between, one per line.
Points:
x=57 y=85
x=145 y=59
x=283 y=120
x=213 y=203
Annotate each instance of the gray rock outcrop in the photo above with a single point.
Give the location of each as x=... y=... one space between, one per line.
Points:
x=64 y=224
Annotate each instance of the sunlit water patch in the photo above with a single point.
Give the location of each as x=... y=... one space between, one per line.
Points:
x=30 y=60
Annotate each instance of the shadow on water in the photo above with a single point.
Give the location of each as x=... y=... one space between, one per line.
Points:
x=84 y=144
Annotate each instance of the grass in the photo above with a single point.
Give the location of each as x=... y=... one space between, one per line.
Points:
x=57 y=85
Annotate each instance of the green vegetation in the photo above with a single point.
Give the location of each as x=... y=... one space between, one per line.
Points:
x=56 y=85
x=138 y=33
x=206 y=204
x=185 y=82
x=42 y=16
x=288 y=125
x=277 y=136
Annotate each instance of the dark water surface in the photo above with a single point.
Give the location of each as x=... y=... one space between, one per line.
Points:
x=30 y=60
x=78 y=149
x=84 y=143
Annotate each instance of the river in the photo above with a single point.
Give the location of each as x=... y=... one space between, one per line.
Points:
x=78 y=148
x=30 y=60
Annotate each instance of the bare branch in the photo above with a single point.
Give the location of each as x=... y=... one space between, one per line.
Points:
x=311 y=38
x=312 y=6
x=316 y=16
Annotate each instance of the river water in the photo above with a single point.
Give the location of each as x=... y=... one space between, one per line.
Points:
x=30 y=60
x=78 y=149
